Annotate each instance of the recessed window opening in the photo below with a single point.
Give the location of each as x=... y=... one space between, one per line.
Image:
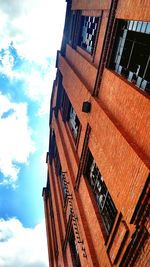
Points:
x=73 y=122
x=103 y=199
x=74 y=250
x=59 y=172
x=53 y=227
x=69 y=114
x=88 y=32
x=131 y=52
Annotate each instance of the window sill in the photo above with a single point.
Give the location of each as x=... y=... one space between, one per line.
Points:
x=143 y=92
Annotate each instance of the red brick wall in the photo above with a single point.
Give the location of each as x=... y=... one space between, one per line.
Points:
x=115 y=157
x=83 y=68
x=133 y=9
x=130 y=107
x=121 y=167
x=76 y=90
x=101 y=36
x=66 y=155
x=92 y=4
x=123 y=170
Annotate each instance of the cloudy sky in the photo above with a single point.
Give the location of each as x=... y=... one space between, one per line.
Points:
x=30 y=35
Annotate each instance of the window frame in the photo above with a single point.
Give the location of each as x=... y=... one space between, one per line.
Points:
x=69 y=231
x=74 y=251
x=75 y=31
x=53 y=226
x=66 y=108
x=133 y=69
x=107 y=203
x=95 y=36
x=58 y=170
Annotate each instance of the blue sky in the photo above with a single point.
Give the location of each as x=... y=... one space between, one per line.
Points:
x=31 y=33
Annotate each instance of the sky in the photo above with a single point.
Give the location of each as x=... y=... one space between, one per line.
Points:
x=30 y=35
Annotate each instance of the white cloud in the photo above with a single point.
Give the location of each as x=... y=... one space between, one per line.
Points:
x=20 y=246
x=34 y=26
x=37 y=83
x=39 y=88
x=15 y=138
x=7 y=61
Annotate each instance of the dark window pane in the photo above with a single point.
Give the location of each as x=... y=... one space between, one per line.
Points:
x=134 y=26
x=88 y=33
x=69 y=114
x=73 y=122
x=74 y=250
x=103 y=199
x=143 y=28
x=130 y=24
x=139 y=26
x=130 y=55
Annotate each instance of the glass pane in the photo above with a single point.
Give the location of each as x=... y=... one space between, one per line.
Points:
x=134 y=25
x=143 y=84
x=130 y=76
x=139 y=79
x=103 y=199
x=139 y=26
x=130 y=57
x=88 y=33
x=144 y=25
x=148 y=28
x=130 y=25
x=126 y=53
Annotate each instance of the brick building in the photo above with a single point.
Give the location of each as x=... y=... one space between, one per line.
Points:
x=97 y=192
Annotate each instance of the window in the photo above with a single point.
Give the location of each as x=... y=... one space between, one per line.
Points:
x=142 y=207
x=75 y=27
x=59 y=92
x=103 y=199
x=69 y=114
x=56 y=160
x=63 y=185
x=131 y=54
x=83 y=157
x=53 y=226
x=58 y=169
x=88 y=31
x=70 y=239
x=61 y=175
x=74 y=250
x=73 y=122
x=84 y=31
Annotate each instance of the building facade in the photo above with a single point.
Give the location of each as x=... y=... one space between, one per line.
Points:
x=97 y=194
